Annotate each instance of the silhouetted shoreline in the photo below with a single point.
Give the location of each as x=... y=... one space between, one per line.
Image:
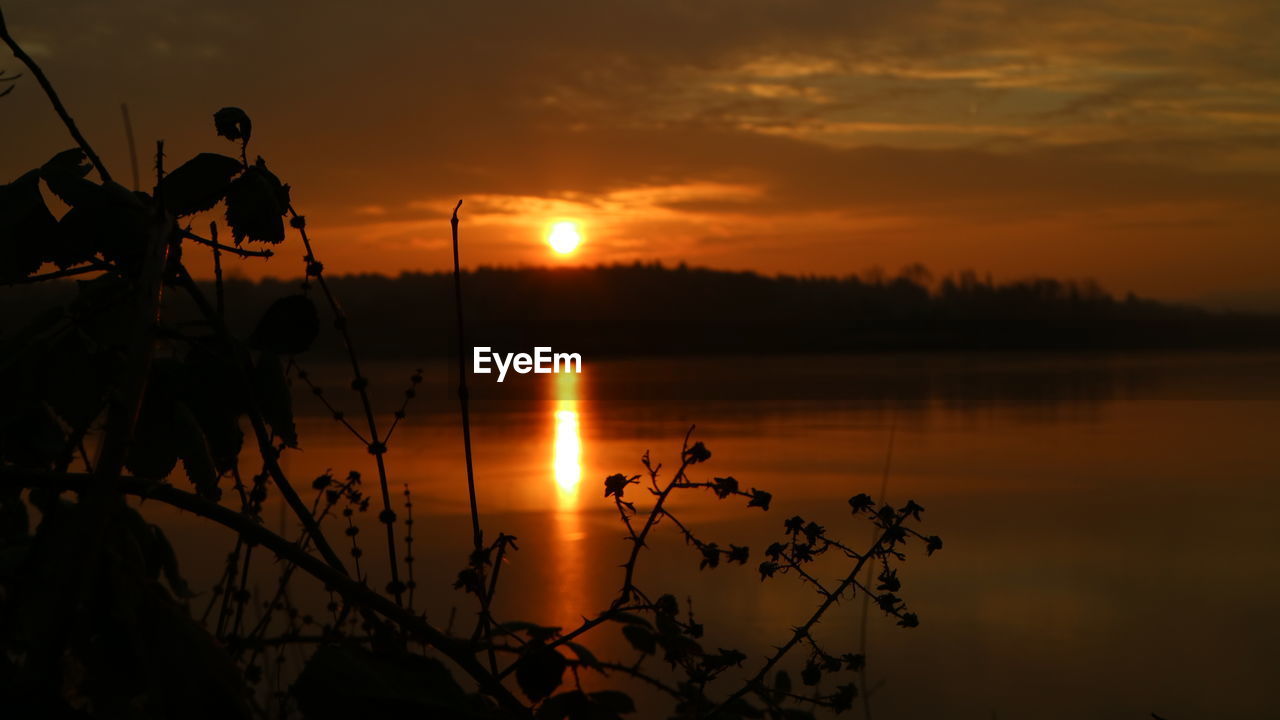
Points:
x=649 y=309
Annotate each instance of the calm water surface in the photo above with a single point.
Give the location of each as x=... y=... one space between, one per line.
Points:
x=1112 y=547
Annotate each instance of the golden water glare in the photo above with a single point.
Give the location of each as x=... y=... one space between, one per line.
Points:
x=567 y=476
x=568 y=452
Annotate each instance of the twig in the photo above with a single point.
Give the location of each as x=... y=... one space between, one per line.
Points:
x=464 y=397
x=464 y=403
x=802 y=631
x=412 y=585
x=8 y=79
x=377 y=447
x=318 y=392
x=217 y=269
x=866 y=599
x=58 y=107
x=409 y=395
x=93 y=266
x=637 y=542
x=187 y=234
x=587 y=624
x=133 y=149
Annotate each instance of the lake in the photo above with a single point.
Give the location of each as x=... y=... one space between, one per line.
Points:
x=1110 y=521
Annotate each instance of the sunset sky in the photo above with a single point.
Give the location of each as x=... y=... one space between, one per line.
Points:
x=1133 y=141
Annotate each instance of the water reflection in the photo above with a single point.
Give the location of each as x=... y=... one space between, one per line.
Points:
x=1031 y=468
x=567 y=475
x=568 y=454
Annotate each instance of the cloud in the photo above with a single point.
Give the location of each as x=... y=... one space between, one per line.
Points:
x=752 y=133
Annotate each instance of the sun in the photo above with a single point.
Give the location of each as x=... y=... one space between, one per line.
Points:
x=564 y=237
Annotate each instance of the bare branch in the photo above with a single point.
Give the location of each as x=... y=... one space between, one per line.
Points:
x=58 y=107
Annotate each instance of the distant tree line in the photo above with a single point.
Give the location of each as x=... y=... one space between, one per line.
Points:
x=646 y=308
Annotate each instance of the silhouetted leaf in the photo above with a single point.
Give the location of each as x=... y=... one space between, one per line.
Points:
x=30 y=436
x=629 y=619
x=198 y=184
x=577 y=705
x=667 y=605
x=697 y=454
x=256 y=202
x=724 y=487
x=617 y=484
x=215 y=394
x=107 y=219
x=233 y=124
x=535 y=632
x=72 y=381
x=27 y=227
x=932 y=544
x=640 y=638
x=341 y=682
x=889 y=580
x=677 y=648
x=288 y=326
x=782 y=682
x=724 y=659
x=861 y=502
x=194 y=451
x=15 y=523
x=154 y=450
x=710 y=556
x=811 y=674
x=186 y=674
x=169 y=564
x=813 y=531
x=843 y=699
x=585 y=656
x=65 y=176
x=539 y=671
x=468 y=581
x=276 y=402
x=760 y=499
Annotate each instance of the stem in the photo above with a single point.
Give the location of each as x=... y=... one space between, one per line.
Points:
x=866 y=599
x=628 y=586
x=217 y=269
x=464 y=402
x=464 y=397
x=93 y=266
x=376 y=447
x=133 y=148
x=187 y=234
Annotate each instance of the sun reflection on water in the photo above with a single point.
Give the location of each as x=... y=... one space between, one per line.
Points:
x=568 y=453
x=566 y=462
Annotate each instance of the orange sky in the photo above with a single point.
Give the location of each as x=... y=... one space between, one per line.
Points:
x=1136 y=142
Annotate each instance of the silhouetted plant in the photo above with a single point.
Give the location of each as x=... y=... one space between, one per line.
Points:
x=94 y=613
